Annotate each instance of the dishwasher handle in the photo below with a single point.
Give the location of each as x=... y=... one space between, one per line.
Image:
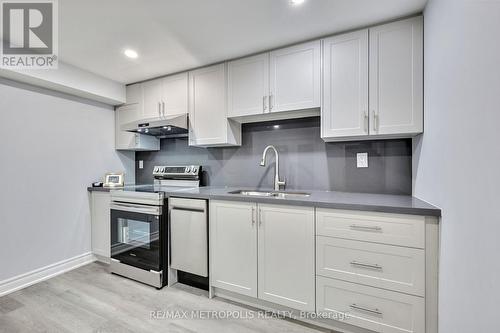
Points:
x=188 y=209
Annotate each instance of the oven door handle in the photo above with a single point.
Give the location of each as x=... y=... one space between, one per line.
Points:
x=128 y=207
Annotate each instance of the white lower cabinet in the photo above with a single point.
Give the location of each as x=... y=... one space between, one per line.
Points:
x=233 y=246
x=375 y=309
x=378 y=265
x=285 y=246
x=286 y=256
x=100 y=224
x=357 y=270
x=393 y=229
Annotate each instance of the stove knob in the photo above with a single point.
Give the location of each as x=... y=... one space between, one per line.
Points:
x=188 y=169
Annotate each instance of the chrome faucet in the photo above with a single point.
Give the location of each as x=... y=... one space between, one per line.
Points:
x=277 y=181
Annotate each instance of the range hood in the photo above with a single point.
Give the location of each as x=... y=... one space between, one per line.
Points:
x=165 y=127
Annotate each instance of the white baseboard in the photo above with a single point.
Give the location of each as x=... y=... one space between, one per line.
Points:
x=27 y=279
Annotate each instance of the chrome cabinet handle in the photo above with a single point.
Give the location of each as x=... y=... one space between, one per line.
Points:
x=366 y=121
x=253 y=215
x=271 y=102
x=375 y=120
x=260 y=216
x=163 y=108
x=362 y=308
x=159 y=109
x=365 y=227
x=264 y=103
x=364 y=265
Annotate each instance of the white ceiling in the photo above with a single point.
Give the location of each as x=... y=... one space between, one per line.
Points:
x=174 y=35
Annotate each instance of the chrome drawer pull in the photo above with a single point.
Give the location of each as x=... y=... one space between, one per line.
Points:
x=361 y=308
x=365 y=227
x=357 y=263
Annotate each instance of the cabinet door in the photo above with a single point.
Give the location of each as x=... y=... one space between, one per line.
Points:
x=131 y=141
x=207 y=109
x=123 y=115
x=175 y=94
x=100 y=225
x=295 y=77
x=134 y=93
x=152 y=99
x=396 y=78
x=375 y=309
x=286 y=256
x=345 y=85
x=248 y=86
x=389 y=267
x=233 y=246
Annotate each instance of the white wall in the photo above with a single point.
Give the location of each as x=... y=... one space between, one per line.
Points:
x=52 y=147
x=71 y=80
x=456 y=161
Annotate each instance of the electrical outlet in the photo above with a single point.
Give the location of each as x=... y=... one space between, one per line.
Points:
x=141 y=164
x=362 y=160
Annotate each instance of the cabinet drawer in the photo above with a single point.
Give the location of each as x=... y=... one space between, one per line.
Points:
x=395 y=229
x=371 y=308
x=384 y=266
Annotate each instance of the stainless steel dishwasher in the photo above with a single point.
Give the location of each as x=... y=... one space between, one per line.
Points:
x=189 y=235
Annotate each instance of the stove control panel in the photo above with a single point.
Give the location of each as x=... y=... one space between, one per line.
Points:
x=177 y=172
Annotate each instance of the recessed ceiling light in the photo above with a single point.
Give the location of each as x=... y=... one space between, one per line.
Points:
x=276 y=126
x=296 y=2
x=131 y=53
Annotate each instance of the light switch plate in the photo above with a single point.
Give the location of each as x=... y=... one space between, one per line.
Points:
x=141 y=164
x=362 y=160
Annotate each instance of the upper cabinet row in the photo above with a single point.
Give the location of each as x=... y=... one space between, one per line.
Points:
x=373 y=82
x=283 y=80
x=364 y=84
x=161 y=97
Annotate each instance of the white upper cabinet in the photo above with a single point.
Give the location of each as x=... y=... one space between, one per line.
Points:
x=286 y=256
x=295 y=77
x=345 y=85
x=248 y=86
x=396 y=78
x=373 y=82
x=208 y=121
x=175 y=94
x=151 y=99
x=233 y=246
x=134 y=94
x=132 y=141
x=165 y=97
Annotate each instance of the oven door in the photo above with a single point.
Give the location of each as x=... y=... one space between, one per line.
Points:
x=136 y=235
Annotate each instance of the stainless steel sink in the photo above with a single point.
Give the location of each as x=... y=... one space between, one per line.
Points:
x=272 y=194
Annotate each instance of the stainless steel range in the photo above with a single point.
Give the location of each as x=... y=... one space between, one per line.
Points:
x=139 y=224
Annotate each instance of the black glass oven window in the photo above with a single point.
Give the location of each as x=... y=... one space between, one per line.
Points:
x=135 y=233
x=135 y=239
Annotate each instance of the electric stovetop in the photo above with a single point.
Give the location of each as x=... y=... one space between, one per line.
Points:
x=155 y=188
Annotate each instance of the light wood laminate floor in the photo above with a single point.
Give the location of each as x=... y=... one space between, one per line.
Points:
x=89 y=299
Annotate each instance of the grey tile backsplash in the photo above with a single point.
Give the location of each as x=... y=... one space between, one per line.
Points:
x=306 y=161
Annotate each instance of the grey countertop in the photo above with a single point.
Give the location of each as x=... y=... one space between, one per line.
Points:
x=98 y=189
x=399 y=204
